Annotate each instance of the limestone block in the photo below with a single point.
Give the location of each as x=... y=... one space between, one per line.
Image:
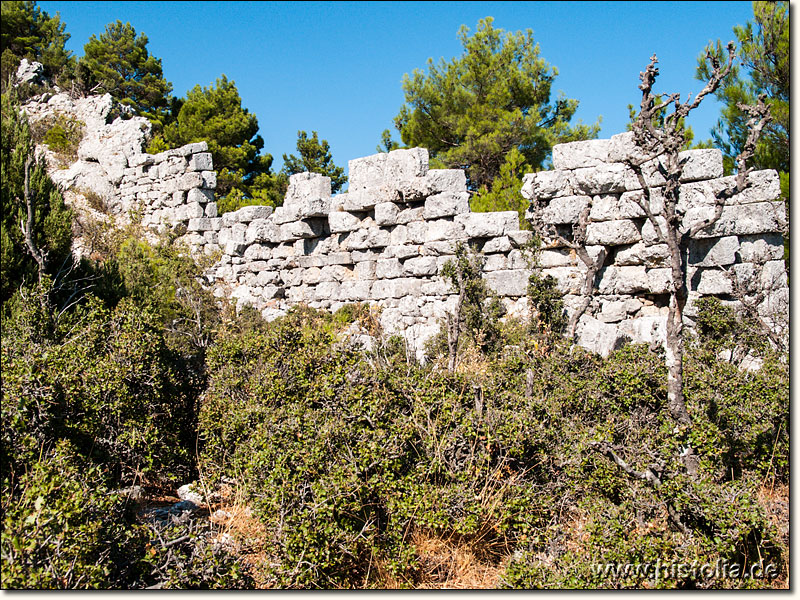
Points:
x=283 y=251
x=420 y=266
x=388 y=268
x=565 y=209
x=256 y=266
x=410 y=214
x=201 y=162
x=642 y=254
x=257 y=252
x=404 y=165
x=367 y=172
x=191 y=210
x=401 y=251
x=519 y=238
x=574 y=155
x=190 y=180
x=199 y=195
x=446 y=204
x=498 y=244
x=211 y=209
x=311 y=275
x=495 y=262
x=612 y=312
x=365 y=269
x=209 y=179
x=233 y=233
x=712 y=252
x=301 y=229
x=557 y=257
x=305 y=262
x=435 y=287
x=439 y=248
x=446 y=180
x=371 y=237
x=416 y=232
x=305 y=186
x=360 y=200
x=760 y=248
x=285 y=214
x=396 y=288
x=342 y=222
x=508 y=283
x=612 y=233
x=339 y=258
x=645 y=330
x=326 y=290
x=362 y=255
x=710 y=281
x=603 y=179
x=612 y=207
x=386 y=213
x=249 y=213
x=489 y=224
x=763 y=186
x=598 y=337
x=649 y=232
x=623 y=280
x=203 y=224
x=754 y=277
x=262 y=230
x=547 y=184
x=292 y=277
x=334 y=273
x=743 y=219
x=442 y=229
x=659 y=281
x=700 y=164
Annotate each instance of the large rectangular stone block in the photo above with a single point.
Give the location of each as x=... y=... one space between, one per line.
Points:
x=547 y=184
x=612 y=233
x=574 y=155
x=343 y=222
x=201 y=162
x=741 y=219
x=446 y=204
x=713 y=252
x=263 y=230
x=363 y=239
x=489 y=224
x=442 y=229
x=565 y=209
x=508 y=283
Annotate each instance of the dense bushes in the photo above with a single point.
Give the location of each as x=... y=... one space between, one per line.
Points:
x=342 y=461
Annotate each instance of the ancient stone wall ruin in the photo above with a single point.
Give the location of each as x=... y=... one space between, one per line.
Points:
x=387 y=238
x=631 y=299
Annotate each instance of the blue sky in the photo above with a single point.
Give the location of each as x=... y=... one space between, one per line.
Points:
x=337 y=67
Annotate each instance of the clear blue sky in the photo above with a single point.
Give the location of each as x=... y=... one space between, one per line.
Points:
x=336 y=67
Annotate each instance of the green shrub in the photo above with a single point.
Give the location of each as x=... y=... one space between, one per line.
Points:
x=62 y=134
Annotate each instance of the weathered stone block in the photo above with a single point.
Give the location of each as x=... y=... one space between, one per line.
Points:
x=405 y=164
x=712 y=252
x=386 y=213
x=446 y=204
x=401 y=251
x=301 y=229
x=446 y=180
x=440 y=248
x=367 y=238
x=251 y=213
x=700 y=164
x=388 y=268
x=498 y=244
x=490 y=224
x=760 y=248
x=612 y=233
x=642 y=254
x=410 y=214
x=420 y=266
x=201 y=162
x=189 y=181
x=443 y=230
x=603 y=179
x=262 y=230
x=203 y=224
x=519 y=238
x=199 y=195
x=596 y=336
x=575 y=155
x=508 y=283
x=565 y=209
x=623 y=280
x=343 y=222
x=209 y=179
x=547 y=184
x=744 y=219
x=211 y=209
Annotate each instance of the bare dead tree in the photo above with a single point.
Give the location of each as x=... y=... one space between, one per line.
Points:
x=660 y=136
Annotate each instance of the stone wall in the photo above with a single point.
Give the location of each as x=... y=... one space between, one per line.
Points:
x=631 y=297
x=385 y=240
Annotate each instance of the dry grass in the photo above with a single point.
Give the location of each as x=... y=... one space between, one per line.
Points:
x=775 y=501
x=445 y=563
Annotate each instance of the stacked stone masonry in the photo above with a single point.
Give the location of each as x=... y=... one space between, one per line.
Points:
x=385 y=240
x=631 y=294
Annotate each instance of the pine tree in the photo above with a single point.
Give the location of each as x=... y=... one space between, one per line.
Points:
x=472 y=111
x=315 y=157
x=118 y=63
